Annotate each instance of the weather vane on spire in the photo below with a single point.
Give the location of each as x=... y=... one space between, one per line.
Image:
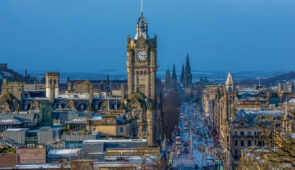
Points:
x=141 y=7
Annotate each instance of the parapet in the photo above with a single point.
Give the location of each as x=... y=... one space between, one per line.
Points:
x=52 y=74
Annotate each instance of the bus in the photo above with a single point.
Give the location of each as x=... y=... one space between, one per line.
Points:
x=178 y=141
x=185 y=126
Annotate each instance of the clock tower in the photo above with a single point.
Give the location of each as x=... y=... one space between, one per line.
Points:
x=142 y=61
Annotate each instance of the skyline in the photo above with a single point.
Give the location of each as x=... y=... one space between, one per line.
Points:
x=55 y=36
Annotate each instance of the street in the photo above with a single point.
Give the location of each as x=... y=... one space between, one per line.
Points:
x=193 y=145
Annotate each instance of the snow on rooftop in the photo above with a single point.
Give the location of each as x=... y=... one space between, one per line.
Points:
x=265 y=112
x=16 y=129
x=77 y=120
x=114 y=140
x=3 y=121
x=97 y=117
x=63 y=151
x=37 y=166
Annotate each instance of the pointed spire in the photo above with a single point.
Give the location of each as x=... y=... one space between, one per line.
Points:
x=229 y=79
x=141 y=11
x=174 y=73
x=187 y=73
x=182 y=74
x=167 y=79
x=174 y=78
x=187 y=65
x=229 y=83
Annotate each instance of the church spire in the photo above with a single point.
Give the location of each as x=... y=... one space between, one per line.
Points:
x=174 y=78
x=187 y=73
x=187 y=65
x=174 y=73
x=182 y=74
x=167 y=79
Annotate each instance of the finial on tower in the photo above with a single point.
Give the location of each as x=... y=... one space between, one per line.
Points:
x=141 y=8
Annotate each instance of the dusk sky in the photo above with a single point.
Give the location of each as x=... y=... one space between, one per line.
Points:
x=90 y=35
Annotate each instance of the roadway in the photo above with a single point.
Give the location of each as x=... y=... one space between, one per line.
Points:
x=196 y=150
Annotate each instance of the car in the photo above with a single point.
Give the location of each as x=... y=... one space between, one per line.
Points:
x=185 y=144
x=185 y=127
x=196 y=166
x=178 y=141
x=178 y=152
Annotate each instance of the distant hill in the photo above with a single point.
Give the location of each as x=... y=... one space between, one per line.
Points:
x=271 y=80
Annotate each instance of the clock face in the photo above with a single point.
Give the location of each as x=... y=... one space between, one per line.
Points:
x=141 y=55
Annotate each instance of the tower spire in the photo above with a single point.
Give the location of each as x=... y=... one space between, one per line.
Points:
x=141 y=11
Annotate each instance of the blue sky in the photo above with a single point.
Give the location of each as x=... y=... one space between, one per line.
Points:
x=90 y=35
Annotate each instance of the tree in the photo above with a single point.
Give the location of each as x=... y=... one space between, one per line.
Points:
x=171 y=106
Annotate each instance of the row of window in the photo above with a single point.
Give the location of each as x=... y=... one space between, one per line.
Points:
x=242 y=143
x=243 y=134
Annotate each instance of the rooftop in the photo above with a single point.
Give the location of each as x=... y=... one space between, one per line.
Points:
x=16 y=129
x=114 y=140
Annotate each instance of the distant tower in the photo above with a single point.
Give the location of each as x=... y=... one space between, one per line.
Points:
x=167 y=79
x=174 y=78
x=52 y=85
x=69 y=85
x=182 y=75
x=26 y=73
x=108 y=86
x=230 y=94
x=187 y=73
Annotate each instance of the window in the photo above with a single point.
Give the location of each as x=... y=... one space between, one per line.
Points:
x=236 y=143
x=121 y=130
x=249 y=143
x=242 y=133
x=242 y=143
x=236 y=133
x=236 y=154
x=249 y=134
